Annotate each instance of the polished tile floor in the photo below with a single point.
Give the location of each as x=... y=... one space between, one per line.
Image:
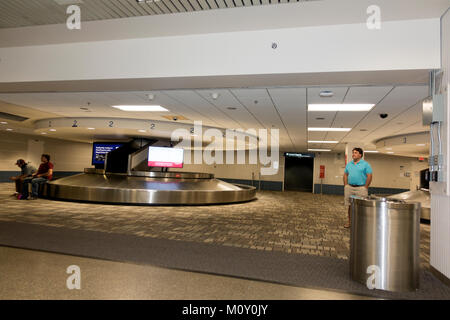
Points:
x=26 y=274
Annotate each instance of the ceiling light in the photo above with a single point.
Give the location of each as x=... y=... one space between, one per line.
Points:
x=52 y=130
x=215 y=95
x=388 y=148
x=9 y=129
x=43 y=132
x=3 y=122
x=330 y=129
x=142 y=130
x=91 y=128
x=326 y=94
x=315 y=141
x=421 y=144
x=150 y=96
x=340 y=107
x=148 y=108
x=325 y=150
x=390 y=152
x=371 y=151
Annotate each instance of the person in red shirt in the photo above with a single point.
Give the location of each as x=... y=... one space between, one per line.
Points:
x=44 y=174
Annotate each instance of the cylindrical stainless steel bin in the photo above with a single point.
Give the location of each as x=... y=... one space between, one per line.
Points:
x=384 y=243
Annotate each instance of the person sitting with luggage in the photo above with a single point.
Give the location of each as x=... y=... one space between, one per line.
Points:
x=44 y=174
x=26 y=171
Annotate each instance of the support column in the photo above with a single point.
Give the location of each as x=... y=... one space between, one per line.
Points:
x=440 y=200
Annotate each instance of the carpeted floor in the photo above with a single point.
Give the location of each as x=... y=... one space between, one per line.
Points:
x=292 y=269
x=294 y=225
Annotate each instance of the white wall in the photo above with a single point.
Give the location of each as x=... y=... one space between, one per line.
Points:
x=388 y=171
x=66 y=156
x=236 y=171
x=331 y=48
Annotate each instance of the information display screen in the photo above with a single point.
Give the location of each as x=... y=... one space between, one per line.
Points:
x=101 y=149
x=165 y=157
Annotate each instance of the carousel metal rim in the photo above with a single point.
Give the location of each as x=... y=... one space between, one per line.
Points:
x=155 y=197
x=154 y=174
x=62 y=190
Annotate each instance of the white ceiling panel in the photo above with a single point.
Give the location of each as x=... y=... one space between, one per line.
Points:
x=398 y=100
x=195 y=101
x=317 y=135
x=291 y=106
x=227 y=100
x=347 y=119
x=260 y=105
x=369 y=94
x=320 y=119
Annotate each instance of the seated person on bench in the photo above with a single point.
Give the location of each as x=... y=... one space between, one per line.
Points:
x=44 y=174
x=26 y=171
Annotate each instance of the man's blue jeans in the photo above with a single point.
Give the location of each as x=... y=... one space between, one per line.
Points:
x=35 y=183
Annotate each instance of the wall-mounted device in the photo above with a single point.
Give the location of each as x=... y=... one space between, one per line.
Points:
x=434 y=116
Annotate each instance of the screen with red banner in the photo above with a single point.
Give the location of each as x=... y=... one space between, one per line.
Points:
x=165 y=157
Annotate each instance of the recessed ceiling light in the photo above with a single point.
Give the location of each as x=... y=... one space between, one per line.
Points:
x=316 y=141
x=91 y=128
x=421 y=144
x=43 y=132
x=388 y=148
x=52 y=130
x=147 y=108
x=3 y=122
x=371 y=151
x=142 y=130
x=324 y=150
x=330 y=129
x=390 y=152
x=340 y=107
x=9 y=129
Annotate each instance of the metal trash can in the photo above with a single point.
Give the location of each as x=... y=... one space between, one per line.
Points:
x=384 y=243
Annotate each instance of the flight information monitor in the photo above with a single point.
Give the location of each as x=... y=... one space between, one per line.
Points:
x=165 y=157
x=100 y=149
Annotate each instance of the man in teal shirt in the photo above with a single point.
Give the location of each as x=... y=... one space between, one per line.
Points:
x=357 y=178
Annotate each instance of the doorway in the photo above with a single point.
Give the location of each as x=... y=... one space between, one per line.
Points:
x=298 y=174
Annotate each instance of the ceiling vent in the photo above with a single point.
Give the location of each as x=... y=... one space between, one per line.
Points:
x=13 y=117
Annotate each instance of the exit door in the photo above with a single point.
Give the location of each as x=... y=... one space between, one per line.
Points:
x=299 y=173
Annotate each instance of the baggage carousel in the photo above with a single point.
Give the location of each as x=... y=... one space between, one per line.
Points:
x=422 y=196
x=148 y=188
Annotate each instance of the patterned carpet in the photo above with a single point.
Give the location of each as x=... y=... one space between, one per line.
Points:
x=288 y=222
